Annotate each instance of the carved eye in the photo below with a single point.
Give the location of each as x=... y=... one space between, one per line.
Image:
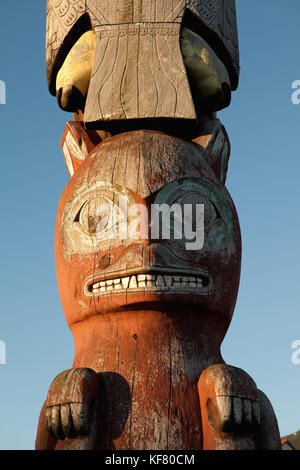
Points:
x=196 y=199
x=99 y=217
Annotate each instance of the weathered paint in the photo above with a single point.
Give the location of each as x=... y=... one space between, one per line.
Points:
x=148 y=315
x=143 y=57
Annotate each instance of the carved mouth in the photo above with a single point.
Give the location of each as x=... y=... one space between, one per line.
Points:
x=145 y=282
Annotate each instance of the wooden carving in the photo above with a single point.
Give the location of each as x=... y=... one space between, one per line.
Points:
x=152 y=60
x=147 y=241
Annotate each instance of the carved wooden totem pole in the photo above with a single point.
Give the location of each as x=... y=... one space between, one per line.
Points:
x=147 y=242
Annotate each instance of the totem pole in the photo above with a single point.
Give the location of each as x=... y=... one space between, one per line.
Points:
x=147 y=242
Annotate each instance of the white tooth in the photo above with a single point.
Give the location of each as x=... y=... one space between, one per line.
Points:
x=125 y=282
x=109 y=283
x=117 y=281
x=95 y=286
x=160 y=281
x=150 y=279
x=132 y=283
x=199 y=282
x=169 y=280
x=141 y=278
x=184 y=282
x=177 y=281
x=110 y=288
x=102 y=289
x=102 y=284
x=117 y=286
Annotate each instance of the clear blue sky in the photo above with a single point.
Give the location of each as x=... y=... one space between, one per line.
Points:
x=263 y=179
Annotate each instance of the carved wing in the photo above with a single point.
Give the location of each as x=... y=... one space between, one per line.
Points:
x=220 y=30
x=66 y=22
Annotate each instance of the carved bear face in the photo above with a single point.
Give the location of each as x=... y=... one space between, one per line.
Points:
x=136 y=229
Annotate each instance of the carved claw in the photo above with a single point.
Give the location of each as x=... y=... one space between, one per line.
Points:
x=71 y=403
x=230 y=408
x=236 y=414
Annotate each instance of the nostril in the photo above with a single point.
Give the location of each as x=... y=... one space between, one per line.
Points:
x=58 y=97
x=69 y=98
x=104 y=262
x=226 y=93
x=66 y=96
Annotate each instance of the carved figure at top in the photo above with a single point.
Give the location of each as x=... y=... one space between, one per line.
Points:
x=129 y=60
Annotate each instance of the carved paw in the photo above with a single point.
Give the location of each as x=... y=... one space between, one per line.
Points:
x=230 y=399
x=71 y=403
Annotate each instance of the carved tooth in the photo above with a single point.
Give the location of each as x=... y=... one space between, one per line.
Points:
x=141 y=278
x=176 y=281
x=192 y=282
x=199 y=282
x=150 y=279
x=125 y=282
x=118 y=286
x=109 y=282
x=169 y=280
x=132 y=283
x=102 y=284
x=160 y=281
x=102 y=289
x=184 y=282
x=117 y=281
x=110 y=287
x=96 y=286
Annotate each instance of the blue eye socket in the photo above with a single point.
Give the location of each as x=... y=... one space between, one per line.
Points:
x=195 y=199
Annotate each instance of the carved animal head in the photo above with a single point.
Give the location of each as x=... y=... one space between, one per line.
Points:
x=114 y=253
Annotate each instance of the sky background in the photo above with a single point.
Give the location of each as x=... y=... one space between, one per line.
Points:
x=263 y=179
